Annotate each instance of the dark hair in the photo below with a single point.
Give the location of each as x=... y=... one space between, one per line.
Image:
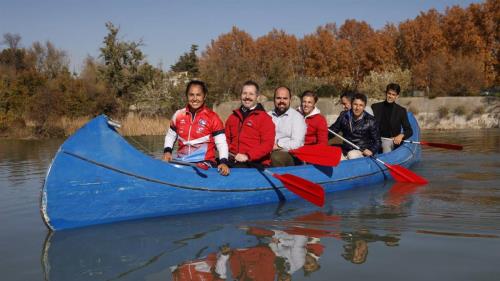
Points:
x=284 y=87
x=309 y=94
x=251 y=83
x=359 y=96
x=348 y=95
x=199 y=83
x=394 y=87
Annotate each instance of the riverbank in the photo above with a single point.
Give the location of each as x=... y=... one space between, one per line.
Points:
x=132 y=125
x=444 y=113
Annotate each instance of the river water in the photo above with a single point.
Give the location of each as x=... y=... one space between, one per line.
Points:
x=446 y=230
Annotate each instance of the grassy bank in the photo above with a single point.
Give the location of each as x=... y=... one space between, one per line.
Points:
x=64 y=127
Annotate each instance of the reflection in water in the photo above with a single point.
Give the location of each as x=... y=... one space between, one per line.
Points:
x=256 y=243
x=356 y=249
x=277 y=254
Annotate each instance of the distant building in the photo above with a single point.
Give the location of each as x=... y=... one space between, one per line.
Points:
x=179 y=77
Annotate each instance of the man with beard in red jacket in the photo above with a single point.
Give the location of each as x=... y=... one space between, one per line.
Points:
x=250 y=131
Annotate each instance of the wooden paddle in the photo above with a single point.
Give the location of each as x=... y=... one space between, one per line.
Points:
x=435 y=144
x=399 y=173
x=318 y=154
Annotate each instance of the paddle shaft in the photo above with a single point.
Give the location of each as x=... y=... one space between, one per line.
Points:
x=183 y=163
x=433 y=144
x=355 y=146
x=408 y=141
x=398 y=173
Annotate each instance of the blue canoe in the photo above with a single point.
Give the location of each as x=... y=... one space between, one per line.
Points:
x=97 y=177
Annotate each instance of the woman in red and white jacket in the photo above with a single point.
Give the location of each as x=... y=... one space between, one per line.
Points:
x=199 y=130
x=317 y=128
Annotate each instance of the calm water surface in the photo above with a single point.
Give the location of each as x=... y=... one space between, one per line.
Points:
x=446 y=230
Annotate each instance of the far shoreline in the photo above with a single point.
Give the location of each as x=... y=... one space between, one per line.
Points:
x=438 y=114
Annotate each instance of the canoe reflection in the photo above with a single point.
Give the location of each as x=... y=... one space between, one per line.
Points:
x=266 y=242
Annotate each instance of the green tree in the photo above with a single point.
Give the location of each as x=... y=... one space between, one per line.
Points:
x=187 y=62
x=123 y=65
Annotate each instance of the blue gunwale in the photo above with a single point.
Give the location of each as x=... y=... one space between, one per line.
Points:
x=98 y=177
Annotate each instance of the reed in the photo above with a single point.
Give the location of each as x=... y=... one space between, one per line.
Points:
x=131 y=125
x=70 y=125
x=140 y=126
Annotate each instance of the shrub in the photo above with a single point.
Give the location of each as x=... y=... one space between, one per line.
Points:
x=459 y=110
x=479 y=110
x=374 y=84
x=413 y=109
x=443 y=112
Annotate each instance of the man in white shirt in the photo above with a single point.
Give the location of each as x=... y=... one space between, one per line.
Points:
x=290 y=128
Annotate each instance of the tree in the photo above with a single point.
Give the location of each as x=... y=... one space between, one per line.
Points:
x=357 y=35
x=187 y=62
x=277 y=58
x=486 y=18
x=12 y=40
x=50 y=60
x=122 y=65
x=227 y=63
x=461 y=33
x=421 y=38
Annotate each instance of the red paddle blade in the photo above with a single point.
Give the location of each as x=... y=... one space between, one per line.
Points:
x=401 y=174
x=319 y=154
x=308 y=190
x=443 y=145
x=399 y=192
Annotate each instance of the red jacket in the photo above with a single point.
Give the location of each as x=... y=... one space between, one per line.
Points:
x=256 y=264
x=253 y=136
x=196 y=135
x=317 y=129
x=198 y=270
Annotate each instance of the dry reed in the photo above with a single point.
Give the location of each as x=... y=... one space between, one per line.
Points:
x=140 y=126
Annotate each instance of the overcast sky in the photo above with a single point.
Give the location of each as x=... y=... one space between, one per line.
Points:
x=168 y=28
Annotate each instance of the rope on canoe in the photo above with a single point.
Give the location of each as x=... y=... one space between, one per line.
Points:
x=160 y=181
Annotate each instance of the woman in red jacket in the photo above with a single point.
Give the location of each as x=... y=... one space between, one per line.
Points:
x=317 y=129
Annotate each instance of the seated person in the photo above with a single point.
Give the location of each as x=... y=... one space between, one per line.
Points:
x=391 y=118
x=359 y=127
x=290 y=128
x=317 y=128
x=250 y=131
x=346 y=100
x=199 y=130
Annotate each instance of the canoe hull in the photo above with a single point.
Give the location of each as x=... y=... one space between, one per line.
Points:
x=97 y=177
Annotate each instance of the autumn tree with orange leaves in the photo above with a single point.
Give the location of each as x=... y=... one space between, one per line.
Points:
x=227 y=63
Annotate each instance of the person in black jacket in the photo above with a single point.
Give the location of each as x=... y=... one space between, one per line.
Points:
x=359 y=127
x=392 y=119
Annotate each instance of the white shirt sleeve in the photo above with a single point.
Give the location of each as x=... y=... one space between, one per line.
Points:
x=221 y=266
x=170 y=138
x=171 y=135
x=222 y=147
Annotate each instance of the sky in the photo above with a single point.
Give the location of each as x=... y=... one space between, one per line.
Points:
x=168 y=28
